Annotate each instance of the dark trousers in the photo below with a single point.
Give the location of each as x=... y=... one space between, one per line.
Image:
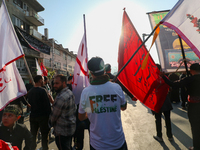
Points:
x=64 y=142
x=79 y=133
x=124 y=147
x=42 y=123
x=194 y=119
x=167 y=123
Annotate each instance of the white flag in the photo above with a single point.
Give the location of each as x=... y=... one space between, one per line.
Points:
x=184 y=18
x=39 y=71
x=10 y=47
x=81 y=74
x=11 y=85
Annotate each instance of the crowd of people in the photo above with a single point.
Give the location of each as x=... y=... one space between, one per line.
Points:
x=99 y=111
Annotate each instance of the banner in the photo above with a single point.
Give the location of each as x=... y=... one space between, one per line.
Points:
x=10 y=47
x=31 y=42
x=11 y=85
x=81 y=74
x=184 y=19
x=168 y=45
x=146 y=85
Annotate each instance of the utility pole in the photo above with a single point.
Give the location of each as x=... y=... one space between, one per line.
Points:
x=53 y=54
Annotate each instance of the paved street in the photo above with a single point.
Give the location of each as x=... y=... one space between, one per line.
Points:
x=139 y=128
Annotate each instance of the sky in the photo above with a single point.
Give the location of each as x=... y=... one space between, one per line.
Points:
x=103 y=20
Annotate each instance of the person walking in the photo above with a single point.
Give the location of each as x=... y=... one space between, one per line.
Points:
x=40 y=111
x=192 y=84
x=102 y=102
x=63 y=116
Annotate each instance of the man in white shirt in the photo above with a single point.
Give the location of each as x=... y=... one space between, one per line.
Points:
x=101 y=103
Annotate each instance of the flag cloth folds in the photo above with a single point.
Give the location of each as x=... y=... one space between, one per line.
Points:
x=11 y=85
x=38 y=69
x=10 y=47
x=184 y=19
x=146 y=85
x=81 y=74
x=43 y=69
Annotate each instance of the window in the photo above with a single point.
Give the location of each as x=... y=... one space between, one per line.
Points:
x=18 y=3
x=69 y=58
x=58 y=65
x=47 y=62
x=69 y=68
x=18 y=22
x=73 y=59
x=65 y=66
x=64 y=56
x=57 y=52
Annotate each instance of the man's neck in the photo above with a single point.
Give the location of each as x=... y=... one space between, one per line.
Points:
x=37 y=85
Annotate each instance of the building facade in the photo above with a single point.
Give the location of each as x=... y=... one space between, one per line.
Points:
x=26 y=20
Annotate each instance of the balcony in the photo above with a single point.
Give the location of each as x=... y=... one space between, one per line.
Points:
x=35 y=5
x=34 y=18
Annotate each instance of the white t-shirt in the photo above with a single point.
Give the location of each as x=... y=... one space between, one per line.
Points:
x=102 y=104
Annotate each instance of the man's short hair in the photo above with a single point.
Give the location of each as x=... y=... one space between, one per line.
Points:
x=37 y=78
x=13 y=108
x=62 y=78
x=96 y=66
x=45 y=78
x=195 y=67
x=107 y=67
x=69 y=78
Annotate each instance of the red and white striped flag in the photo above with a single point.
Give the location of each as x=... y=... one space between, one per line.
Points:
x=81 y=74
x=10 y=47
x=184 y=18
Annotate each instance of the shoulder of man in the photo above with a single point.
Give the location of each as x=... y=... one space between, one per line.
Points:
x=65 y=94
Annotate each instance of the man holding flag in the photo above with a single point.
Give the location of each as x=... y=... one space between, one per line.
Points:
x=79 y=82
x=184 y=19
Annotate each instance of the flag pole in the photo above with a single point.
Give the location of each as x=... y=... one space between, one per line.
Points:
x=136 y=52
x=183 y=53
x=28 y=71
x=85 y=31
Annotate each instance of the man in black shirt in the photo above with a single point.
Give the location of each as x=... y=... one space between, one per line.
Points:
x=40 y=111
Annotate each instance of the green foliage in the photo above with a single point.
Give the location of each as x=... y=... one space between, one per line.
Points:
x=51 y=73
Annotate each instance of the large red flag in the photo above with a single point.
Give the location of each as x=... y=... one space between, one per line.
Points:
x=146 y=85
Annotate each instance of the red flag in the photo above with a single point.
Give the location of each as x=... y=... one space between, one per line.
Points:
x=146 y=85
x=44 y=70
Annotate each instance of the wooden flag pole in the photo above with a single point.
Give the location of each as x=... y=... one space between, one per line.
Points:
x=28 y=71
x=135 y=52
x=183 y=53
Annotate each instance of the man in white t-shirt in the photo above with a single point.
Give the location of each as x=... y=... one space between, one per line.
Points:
x=101 y=103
